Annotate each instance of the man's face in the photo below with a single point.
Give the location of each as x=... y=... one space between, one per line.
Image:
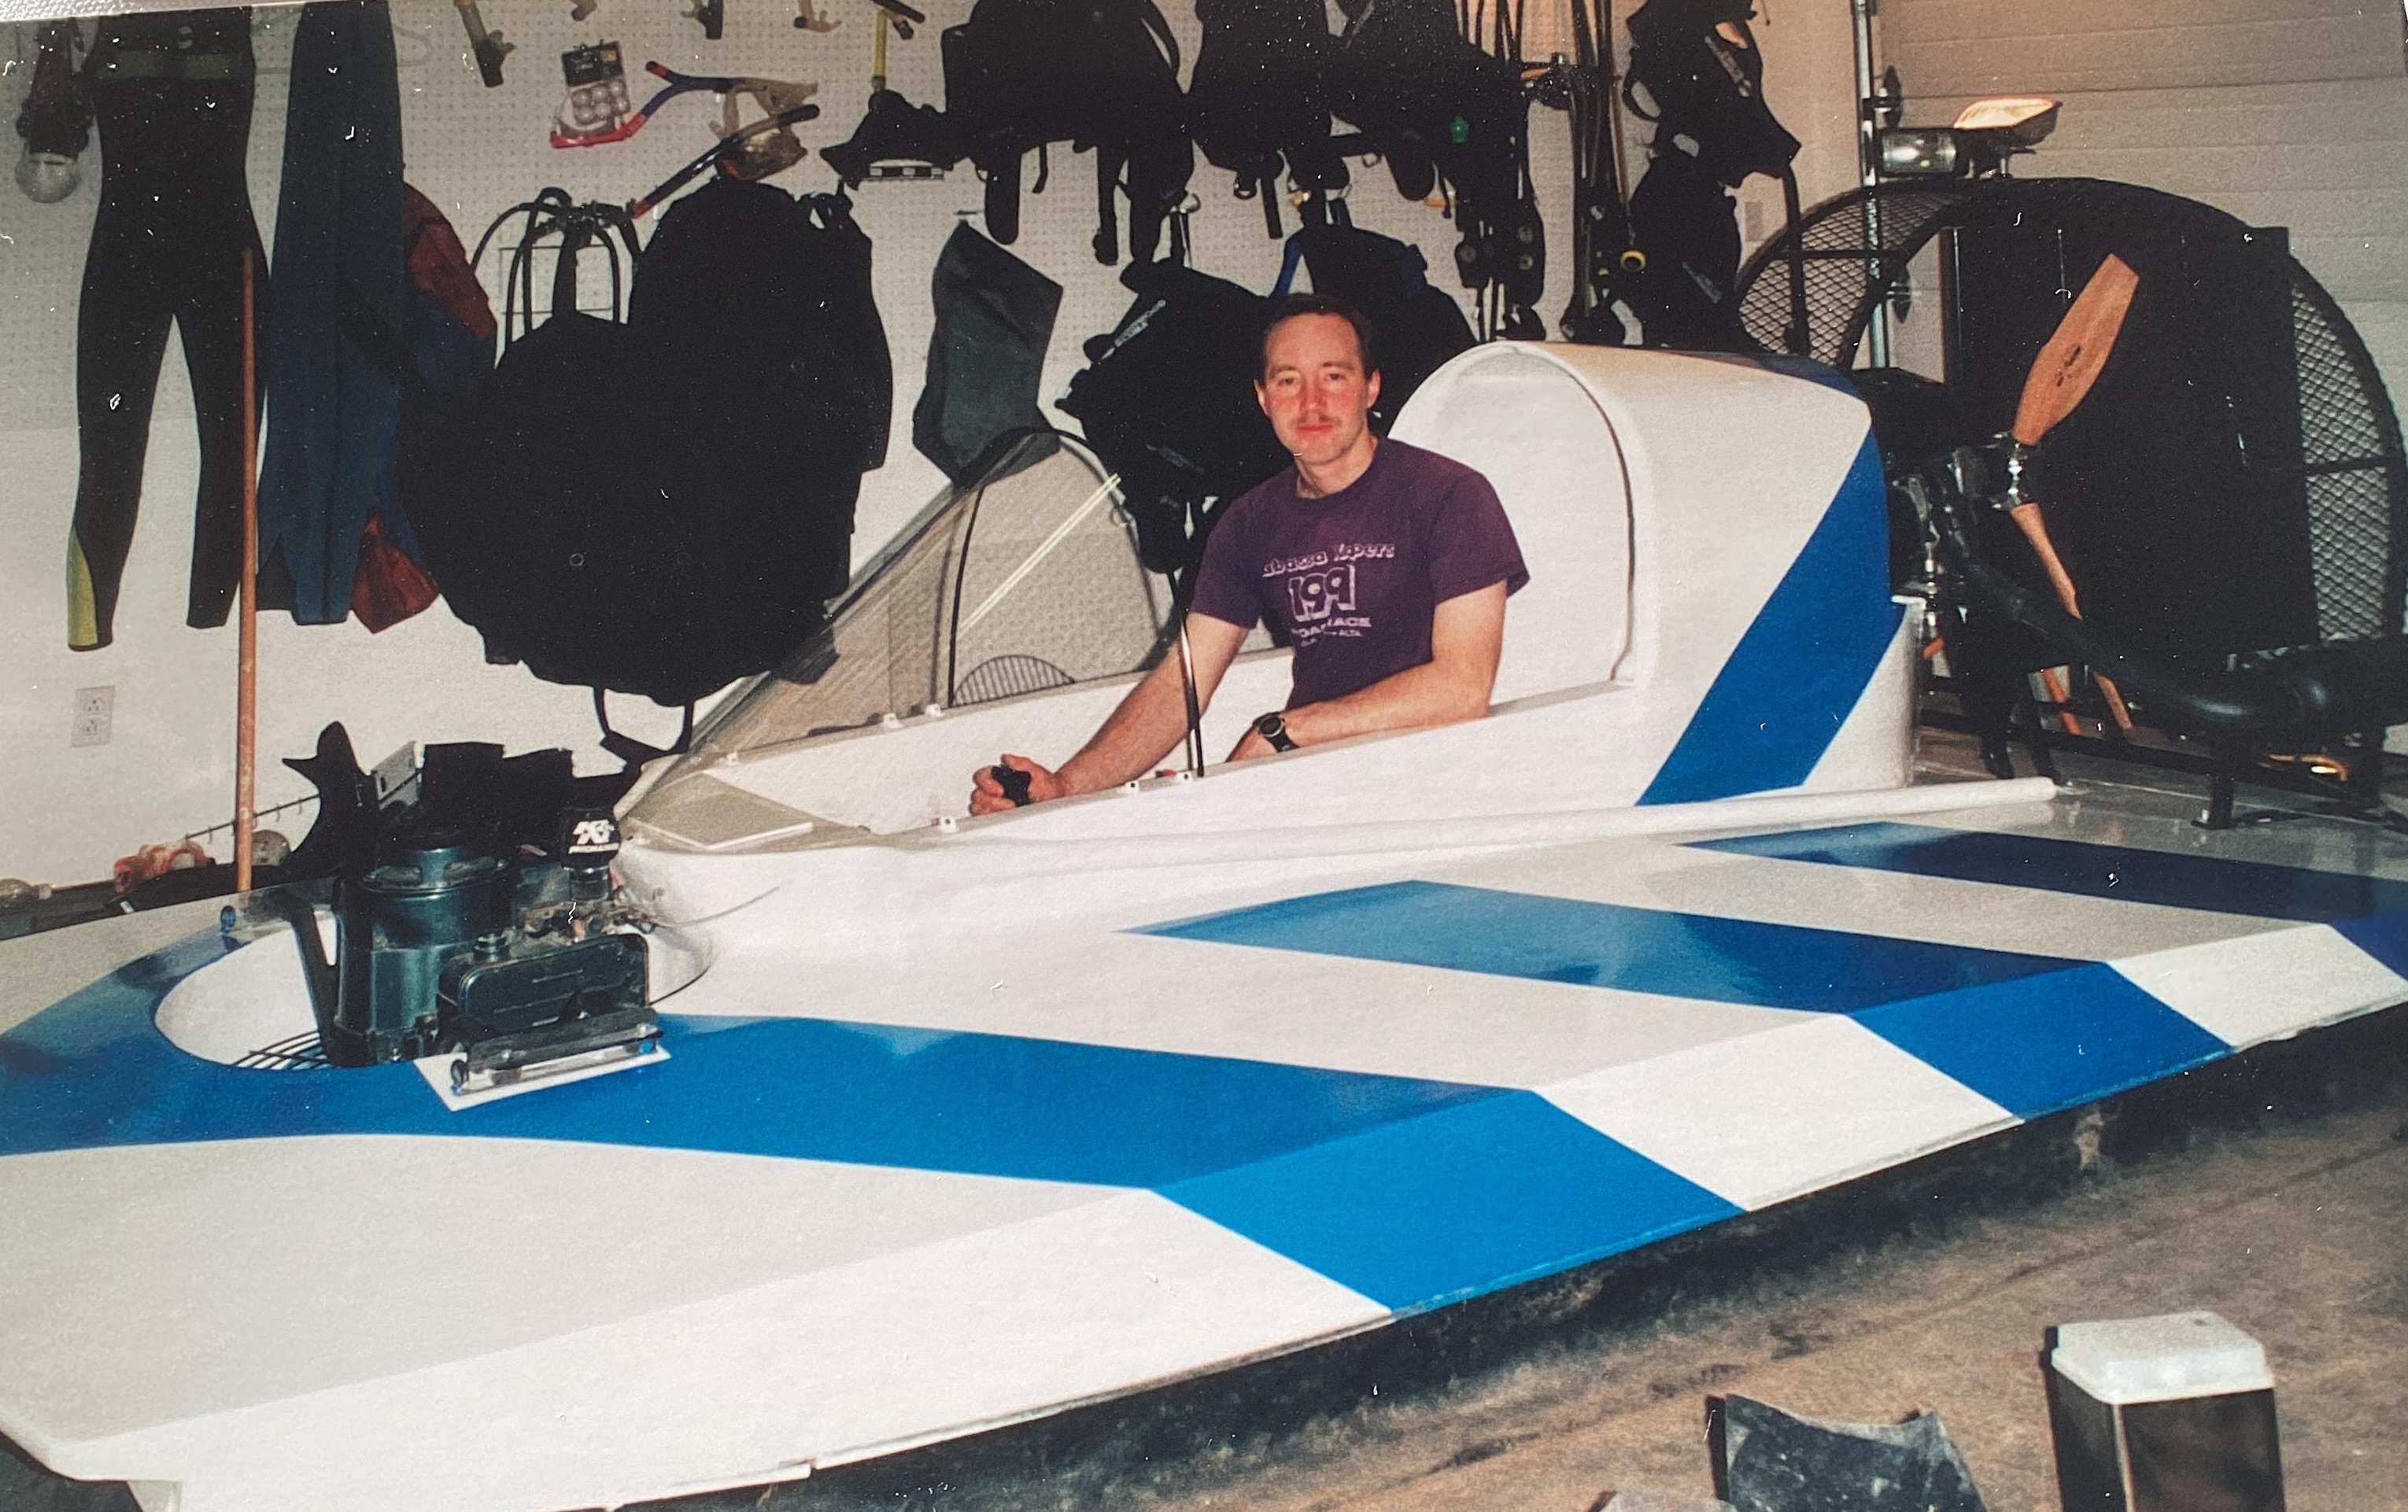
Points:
x=1315 y=389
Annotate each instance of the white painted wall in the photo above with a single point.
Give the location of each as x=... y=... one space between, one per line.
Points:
x=67 y=812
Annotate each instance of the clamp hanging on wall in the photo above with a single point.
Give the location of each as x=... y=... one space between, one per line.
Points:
x=898 y=19
x=56 y=119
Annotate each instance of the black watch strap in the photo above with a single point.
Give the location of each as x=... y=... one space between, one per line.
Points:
x=1272 y=727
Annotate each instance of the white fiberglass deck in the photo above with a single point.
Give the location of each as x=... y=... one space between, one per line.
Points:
x=963 y=1171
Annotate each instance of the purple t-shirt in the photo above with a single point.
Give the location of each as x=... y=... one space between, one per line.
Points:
x=1353 y=578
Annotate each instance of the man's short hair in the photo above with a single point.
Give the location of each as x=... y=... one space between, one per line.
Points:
x=1288 y=306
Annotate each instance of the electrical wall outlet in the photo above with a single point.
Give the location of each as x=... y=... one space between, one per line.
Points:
x=94 y=708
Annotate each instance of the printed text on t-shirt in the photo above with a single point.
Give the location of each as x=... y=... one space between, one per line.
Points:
x=1314 y=596
x=1342 y=551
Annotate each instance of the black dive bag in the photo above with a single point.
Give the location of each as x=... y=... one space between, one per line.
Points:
x=664 y=505
x=1418 y=326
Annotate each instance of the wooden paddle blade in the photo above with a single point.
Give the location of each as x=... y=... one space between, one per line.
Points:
x=2066 y=367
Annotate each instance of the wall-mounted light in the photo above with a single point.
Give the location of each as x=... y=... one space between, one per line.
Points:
x=1978 y=144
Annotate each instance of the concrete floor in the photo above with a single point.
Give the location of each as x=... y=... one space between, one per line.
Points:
x=2297 y=1233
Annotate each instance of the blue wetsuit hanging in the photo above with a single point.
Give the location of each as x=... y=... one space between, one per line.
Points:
x=333 y=413
x=172 y=92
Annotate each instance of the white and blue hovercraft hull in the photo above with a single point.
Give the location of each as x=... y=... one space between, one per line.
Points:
x=971 y=1122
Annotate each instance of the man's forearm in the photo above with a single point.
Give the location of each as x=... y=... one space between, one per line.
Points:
x=1431 y=693
x=1139 y=732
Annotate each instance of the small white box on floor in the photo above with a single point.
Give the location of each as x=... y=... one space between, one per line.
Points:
x=2166 y=1414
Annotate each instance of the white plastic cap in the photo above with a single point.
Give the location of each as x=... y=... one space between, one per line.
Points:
x=2129 y=1360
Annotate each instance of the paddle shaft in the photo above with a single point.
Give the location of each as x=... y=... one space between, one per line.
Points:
x=246 y=697
x=2035 y=531
x=2061 y=377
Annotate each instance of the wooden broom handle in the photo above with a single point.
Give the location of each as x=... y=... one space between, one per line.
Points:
x=246 y=719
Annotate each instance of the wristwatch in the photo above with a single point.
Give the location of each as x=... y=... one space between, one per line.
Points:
x=1272 y=727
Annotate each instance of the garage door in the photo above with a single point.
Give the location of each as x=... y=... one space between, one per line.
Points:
x=2285 y=112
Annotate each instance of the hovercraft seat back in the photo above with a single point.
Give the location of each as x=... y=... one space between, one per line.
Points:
x=1538 y=435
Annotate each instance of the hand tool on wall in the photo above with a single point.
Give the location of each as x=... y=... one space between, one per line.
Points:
x=736 y=155
x=774 y=95
x=488 y=45
x=892 y=15
x=2060 y=378
x=55 y=120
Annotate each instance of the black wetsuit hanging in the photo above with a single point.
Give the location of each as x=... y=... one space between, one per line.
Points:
x=173 y=94
x=333 y=415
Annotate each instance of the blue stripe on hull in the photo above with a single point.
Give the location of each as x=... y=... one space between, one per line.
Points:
x=91 y=1072
x=1611 y=945
x=1413 y=1192
x=2215 y=884
x=1465 y=1200
x=1796 y=675
x=2039 y=1044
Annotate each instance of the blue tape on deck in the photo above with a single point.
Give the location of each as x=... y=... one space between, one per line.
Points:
x=2217 y=884
x=1611 y=945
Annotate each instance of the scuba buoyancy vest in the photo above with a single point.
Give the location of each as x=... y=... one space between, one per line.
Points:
x=986 y=356
x=1706 y=85
x=1258 y=100
x=661 y=506
x=537 y=511
x=1097 y=74
x=1703 y=78
x=1168 y=402
x=1439 y=108
x=1419 y=326
x=1683 y=216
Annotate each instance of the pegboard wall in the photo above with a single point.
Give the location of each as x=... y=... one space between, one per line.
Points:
x=474 y=152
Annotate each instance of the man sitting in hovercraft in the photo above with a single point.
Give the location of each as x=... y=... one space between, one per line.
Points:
x=1386 y=566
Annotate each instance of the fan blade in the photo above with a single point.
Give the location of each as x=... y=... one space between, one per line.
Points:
x=2062 y=373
